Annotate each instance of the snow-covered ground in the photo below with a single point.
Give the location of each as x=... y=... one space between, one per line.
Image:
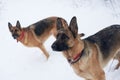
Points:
x=18 y=62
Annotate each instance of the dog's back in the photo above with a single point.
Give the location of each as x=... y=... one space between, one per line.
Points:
x=43 y=25
x=108 y=40
x=47 y=25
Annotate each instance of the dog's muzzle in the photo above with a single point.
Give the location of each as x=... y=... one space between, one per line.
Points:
x=59 y=47
x=15 y=36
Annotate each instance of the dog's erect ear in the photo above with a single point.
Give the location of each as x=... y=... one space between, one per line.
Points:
x=59 y=24
x=18 y=25
x=81 y=34
x=9 y=25
x=73 y=26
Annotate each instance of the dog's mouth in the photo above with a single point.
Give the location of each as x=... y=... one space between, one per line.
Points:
x=59 y=47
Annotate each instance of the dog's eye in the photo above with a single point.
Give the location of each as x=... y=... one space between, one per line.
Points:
x=11 y=30
x=58 y=35
x=63 y=36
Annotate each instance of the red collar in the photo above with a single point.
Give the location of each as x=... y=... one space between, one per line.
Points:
x=76 y=57
x=21 y=36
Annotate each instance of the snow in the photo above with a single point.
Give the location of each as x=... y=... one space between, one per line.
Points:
x=18 y=62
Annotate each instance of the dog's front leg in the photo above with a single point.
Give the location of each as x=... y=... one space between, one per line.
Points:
x=94 y=65
x=41 y=46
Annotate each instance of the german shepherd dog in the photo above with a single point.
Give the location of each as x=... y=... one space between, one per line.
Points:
x=36 y=34
x=89 y=55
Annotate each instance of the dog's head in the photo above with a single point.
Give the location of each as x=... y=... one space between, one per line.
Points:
x=15 y=30
x=66 y=35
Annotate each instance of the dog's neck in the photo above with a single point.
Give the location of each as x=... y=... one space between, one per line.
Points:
x=22 y=38
x=76 y=51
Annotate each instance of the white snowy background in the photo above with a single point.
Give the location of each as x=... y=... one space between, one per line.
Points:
x=18 y=62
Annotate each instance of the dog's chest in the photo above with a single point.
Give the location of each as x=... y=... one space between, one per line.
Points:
x=81 y=69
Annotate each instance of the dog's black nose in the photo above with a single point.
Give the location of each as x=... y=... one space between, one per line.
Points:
x=15 y=36
x=54 y=47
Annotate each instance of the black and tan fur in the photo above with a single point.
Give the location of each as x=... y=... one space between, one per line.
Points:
x=36 y=34
x=95 y=51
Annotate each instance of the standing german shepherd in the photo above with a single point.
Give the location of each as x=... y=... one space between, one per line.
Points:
x=88 y=56
x=36 y=34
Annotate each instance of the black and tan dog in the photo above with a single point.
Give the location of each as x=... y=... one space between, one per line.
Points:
x=88 y=56
x=36 y=34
